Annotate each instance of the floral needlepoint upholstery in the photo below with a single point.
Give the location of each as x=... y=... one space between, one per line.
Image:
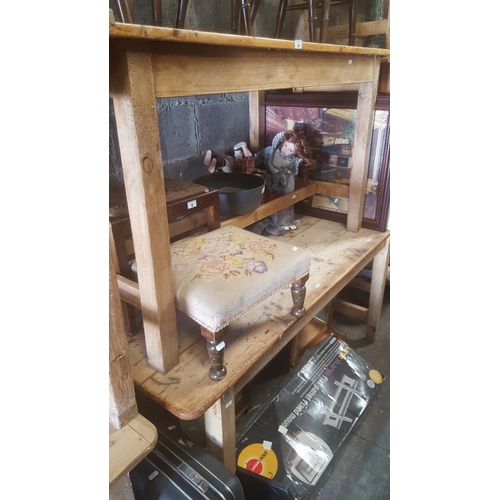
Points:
x=221 y=274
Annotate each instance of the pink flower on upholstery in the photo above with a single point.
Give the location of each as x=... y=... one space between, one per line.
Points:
x=187 y=251
x=255 y=266
x=220 y=248
x=259 y=246
x=214 y=267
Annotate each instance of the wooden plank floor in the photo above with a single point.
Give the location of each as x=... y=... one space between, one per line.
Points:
x=187 y=391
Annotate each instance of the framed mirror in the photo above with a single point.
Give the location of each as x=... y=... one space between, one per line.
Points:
x=328 y=120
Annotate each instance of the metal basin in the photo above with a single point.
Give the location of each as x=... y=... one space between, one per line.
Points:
x=239 y=194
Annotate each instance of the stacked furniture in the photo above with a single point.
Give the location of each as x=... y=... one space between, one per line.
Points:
x=169 y=360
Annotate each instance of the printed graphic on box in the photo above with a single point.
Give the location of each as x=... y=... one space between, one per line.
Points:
x=295 y=438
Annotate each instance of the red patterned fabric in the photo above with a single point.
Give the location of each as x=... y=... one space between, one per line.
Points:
x=244 y=165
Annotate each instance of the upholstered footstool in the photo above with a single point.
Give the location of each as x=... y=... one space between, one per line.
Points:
x=222 y=274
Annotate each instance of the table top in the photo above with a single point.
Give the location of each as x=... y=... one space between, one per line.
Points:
x=175 y=191
x=129 y=445
x=187 y=391
x=183 y=36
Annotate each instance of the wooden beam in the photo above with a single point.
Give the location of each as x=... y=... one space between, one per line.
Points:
x=122 y=489
x=220 y=429
x=118 y=246
x=360 y=284
x=185 y=69
x=138 y=133
x=122 y=404
x=379 y=277
x=340 y=87
x=257 y=117
x=332 y=189
x=129 y=445
x=365 y=113
x=181 y=36
x=272 y=207
x=351 y=309
x=363 y=30
x=129 y=291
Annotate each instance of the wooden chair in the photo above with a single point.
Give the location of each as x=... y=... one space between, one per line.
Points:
x=312 y=6
x=123 y=11
x=243 y=14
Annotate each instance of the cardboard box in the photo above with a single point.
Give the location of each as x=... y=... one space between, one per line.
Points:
x=291 y=443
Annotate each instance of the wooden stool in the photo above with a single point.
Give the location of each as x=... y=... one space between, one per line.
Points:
x=222 y=274
x=311 y=6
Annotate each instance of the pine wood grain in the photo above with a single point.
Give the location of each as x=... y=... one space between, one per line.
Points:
x=137 y=125
x=257 y=120
x=129 y=445
x=122 y=404
x=185 y=69
x=379 y=278
x=253 y=339
x=271 y=207
x=164 y=34
x=220 y=427
x=365 y=113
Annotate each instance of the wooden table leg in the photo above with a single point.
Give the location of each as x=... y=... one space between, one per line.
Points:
x=122 y=489
x=377 y=287
x=220 y=429
x=122 y=404
x=137 y=125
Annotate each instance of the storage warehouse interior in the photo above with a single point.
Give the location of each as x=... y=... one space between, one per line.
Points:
x=250 y=306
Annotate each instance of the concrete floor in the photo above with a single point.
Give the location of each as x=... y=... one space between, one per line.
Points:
x=362 y=465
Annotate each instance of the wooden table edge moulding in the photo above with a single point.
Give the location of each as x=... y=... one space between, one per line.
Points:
x=147 y=63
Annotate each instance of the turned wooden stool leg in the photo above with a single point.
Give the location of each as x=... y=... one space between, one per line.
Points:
x=299 y=296
x=216 y=352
